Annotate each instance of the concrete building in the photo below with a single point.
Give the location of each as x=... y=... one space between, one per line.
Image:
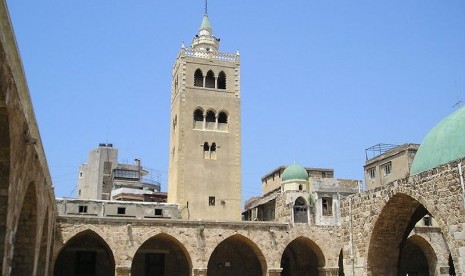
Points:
x=204 y=174
x=103 y=178
x=388 y=163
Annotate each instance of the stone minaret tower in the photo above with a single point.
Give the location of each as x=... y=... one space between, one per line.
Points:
x=205 y=132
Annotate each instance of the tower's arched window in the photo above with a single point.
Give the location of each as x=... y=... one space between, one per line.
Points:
x=198 y=119
x=213 y=151
x=206 y=151
x=198 y=78
x=223 y=121
x=221 y=80
x=210 y=120
x=210 y=80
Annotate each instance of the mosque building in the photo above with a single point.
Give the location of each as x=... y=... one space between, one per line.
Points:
x=409 y=221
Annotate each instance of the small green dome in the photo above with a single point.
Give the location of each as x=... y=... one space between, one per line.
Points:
x=294 y=173
x=443 y=144
x=205 y=24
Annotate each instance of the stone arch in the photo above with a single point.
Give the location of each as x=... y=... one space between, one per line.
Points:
x=198 y=78
x=44 y=251
x=390 y=231
x=4 y=173
x=221 y=80
x=223 y=120
x=236 y=255
x=210 y=119
x=25 y=236
x=210 y=79
x=85 y=253
x=302 y=256
x=198 y=117
x=418 y=256
x=161 y=254
x=300 y=210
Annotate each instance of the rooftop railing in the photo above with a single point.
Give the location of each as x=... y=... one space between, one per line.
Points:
x=189 y=52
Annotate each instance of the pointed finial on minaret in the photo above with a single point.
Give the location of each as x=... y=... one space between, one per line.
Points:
x=206 y=7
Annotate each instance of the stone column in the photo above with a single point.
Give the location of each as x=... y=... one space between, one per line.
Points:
x=199 y=272
x=123 y=271
x=328 y=271
x=274 y=271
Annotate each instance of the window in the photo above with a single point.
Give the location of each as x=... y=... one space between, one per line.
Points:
x=211 y=201
x=221 y=80
x=82 y=208
x=198 y=119
x=210 y=120
x=126 y=174
x=300 y=210
x=387 y=168
x=206 y=151
x=372 y=173
x=198 y=78
x=210 y=80
x=327 y=206
x=427 y=220
x=213 y=151
x=158 y=212
x=222 y=121
x=175 y=122
x=80 y=174
x=121 y=211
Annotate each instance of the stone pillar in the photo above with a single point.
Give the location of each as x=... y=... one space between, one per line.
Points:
x=274 y=271
x=199 y=272
x=123 y=271
x=328 y=271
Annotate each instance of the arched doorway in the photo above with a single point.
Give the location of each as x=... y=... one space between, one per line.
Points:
x=23 y=252
x=236 y=255
x=302 y=257
x=390 y=235
x=85 y=254
x=161 y=255
x=417 y=258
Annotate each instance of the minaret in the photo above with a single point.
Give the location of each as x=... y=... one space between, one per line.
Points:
x=205 y=132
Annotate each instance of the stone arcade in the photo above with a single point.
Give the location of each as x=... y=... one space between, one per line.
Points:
x=375 y=232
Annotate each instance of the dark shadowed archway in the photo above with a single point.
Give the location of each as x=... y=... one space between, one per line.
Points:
x=418 y=257
x=302 y=257
x=44 y=245
x=236 y=255
x=85 y=254
x=23 y=254
x=389 y=235
x=161 y=255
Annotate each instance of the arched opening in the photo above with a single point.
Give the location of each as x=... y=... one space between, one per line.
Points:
x=161 y=255
x=23 y=252
x=223 y=121
x=85 y=254
x=43 y=255
x=213 y=151
x=198 y=119
x=390 y=233
x=210 y=80
x=4 y=173
x=210 y=120
x=236 y=255
x=302 y=257
x=300 y=211
x=221 y=80
x=340 y=264
x=198 y=78
x=418 y=257
x=206 y=151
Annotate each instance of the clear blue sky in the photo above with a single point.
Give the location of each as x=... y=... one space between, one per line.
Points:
x=321 y=80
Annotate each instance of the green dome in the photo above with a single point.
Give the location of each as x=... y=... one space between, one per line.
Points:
x=443 y=144
x=294 y=173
